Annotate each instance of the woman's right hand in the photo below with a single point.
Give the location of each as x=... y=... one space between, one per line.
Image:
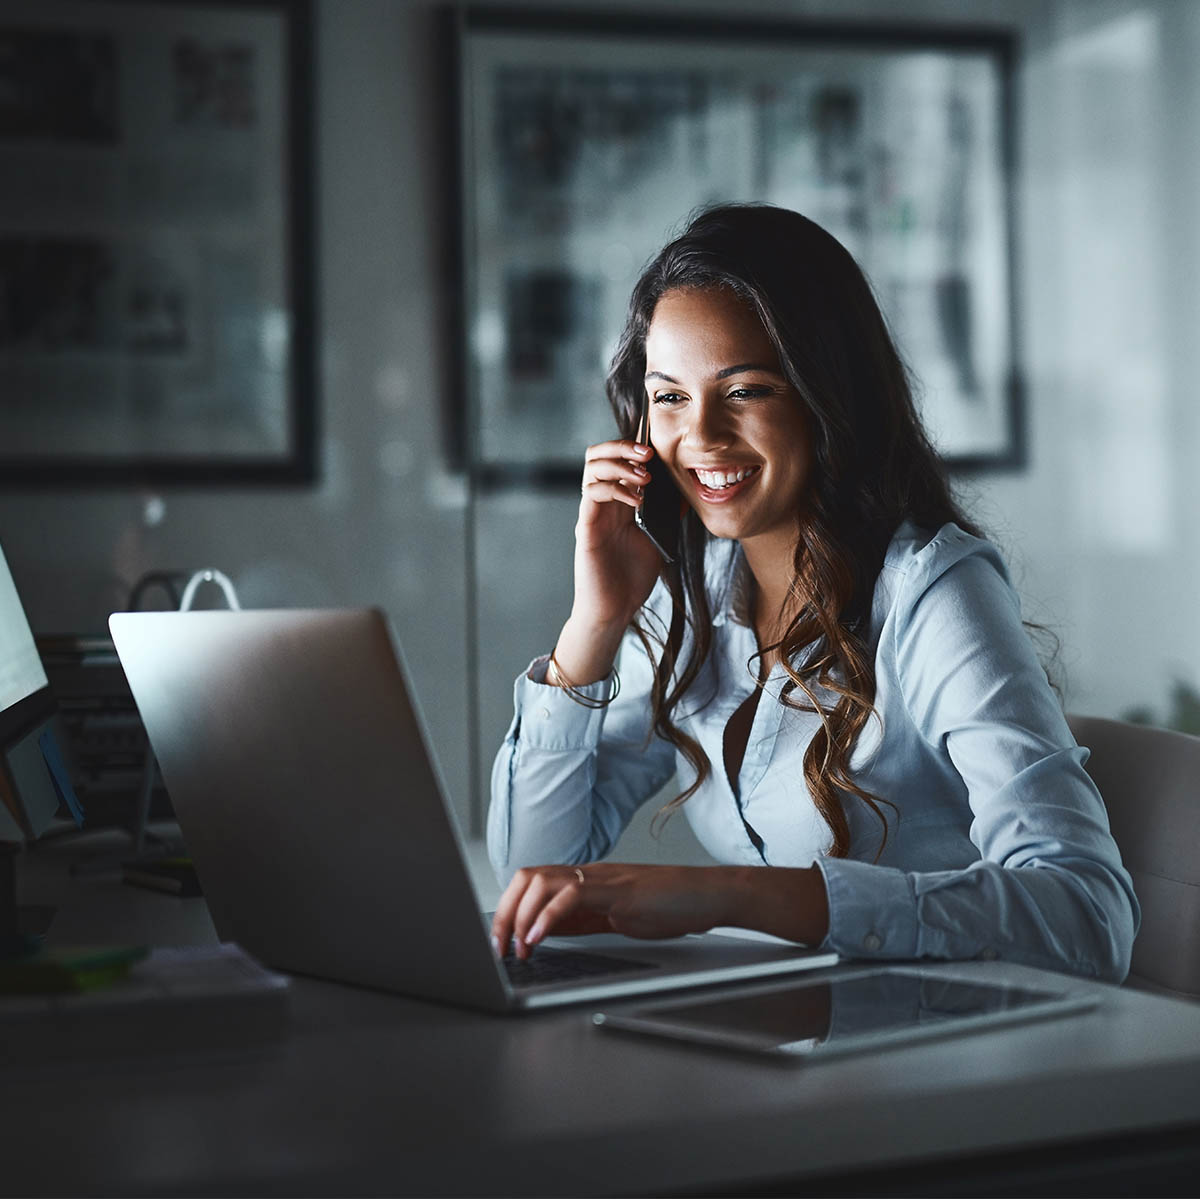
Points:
x=616 y=565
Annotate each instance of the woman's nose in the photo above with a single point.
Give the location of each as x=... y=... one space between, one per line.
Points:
x=708 y=425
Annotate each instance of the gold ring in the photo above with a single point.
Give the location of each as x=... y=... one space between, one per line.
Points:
x=579 y=875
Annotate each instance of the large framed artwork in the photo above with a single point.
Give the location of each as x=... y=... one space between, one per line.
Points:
x=587 y=141
x=155 y=242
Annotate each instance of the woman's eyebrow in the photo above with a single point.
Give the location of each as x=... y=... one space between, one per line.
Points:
x=723 y=373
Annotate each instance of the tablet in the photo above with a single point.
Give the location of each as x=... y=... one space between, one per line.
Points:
x=868 y=1009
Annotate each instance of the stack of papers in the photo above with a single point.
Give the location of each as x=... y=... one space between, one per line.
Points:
x=173 y=1001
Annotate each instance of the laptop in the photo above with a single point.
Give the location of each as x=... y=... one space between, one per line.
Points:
x=313 y=811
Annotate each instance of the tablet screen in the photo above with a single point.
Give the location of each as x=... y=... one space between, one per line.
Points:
x=827 y=1016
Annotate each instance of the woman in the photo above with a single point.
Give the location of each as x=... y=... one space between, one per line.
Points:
x=835 y=665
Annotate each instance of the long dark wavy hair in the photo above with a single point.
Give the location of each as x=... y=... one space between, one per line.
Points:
x=872 y=467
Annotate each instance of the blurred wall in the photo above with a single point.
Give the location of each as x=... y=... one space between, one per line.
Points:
x=1100 y=526
x=385 y=523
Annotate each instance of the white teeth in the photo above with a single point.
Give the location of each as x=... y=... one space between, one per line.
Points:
x=723 y=479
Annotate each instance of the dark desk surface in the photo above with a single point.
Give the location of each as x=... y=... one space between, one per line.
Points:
x=370 y=1092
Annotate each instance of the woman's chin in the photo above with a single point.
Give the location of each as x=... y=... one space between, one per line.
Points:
x=720 y=525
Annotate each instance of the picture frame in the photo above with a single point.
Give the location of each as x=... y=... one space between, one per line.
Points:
x=156 y=243
x=587 y=139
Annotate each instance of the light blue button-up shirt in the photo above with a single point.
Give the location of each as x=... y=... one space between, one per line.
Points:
x=1000 y=847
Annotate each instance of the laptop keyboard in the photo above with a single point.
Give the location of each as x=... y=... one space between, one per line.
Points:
x=547 y=965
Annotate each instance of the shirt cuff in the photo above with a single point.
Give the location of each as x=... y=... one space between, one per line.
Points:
x=872 y=910
x=549 y=719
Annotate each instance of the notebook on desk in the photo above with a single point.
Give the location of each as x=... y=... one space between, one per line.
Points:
x=317 y=823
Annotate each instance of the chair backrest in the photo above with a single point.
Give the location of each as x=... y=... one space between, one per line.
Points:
x=1150 y=781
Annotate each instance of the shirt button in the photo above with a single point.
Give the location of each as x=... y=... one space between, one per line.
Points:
x=989 y=955
x=544 y=713
x=872 y=942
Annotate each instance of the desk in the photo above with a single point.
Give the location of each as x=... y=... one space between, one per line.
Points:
x=376 y=1093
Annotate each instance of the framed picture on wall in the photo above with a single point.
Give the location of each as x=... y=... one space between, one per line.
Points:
x=155 y=242
x=588 y=140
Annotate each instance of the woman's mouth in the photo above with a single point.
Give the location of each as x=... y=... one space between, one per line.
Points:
x=719 y=486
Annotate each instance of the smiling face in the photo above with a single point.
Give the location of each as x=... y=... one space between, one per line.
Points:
x=724 y=420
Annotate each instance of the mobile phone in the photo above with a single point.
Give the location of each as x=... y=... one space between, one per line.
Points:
x=659 y=514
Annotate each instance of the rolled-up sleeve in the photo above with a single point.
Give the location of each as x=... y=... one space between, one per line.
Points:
x=1049 y=888
x=569 y=778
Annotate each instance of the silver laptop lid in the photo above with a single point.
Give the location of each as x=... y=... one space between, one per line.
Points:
x=300 y=775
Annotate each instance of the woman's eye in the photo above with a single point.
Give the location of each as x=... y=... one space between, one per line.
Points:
x=747 y=392
x=666 y=397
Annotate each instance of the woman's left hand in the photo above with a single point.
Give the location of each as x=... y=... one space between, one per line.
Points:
x=639 y=900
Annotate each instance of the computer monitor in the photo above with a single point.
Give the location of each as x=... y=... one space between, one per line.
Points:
x=33 y=780
x=33 y=777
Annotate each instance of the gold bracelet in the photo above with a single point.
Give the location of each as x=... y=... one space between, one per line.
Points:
x=587 y=701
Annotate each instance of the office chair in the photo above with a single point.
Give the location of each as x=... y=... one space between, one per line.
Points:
x=1150 y=781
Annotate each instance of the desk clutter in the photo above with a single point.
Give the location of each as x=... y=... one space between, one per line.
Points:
x=106 y=742
x=128 y=1001
x=108 y=759
x=175 y=876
